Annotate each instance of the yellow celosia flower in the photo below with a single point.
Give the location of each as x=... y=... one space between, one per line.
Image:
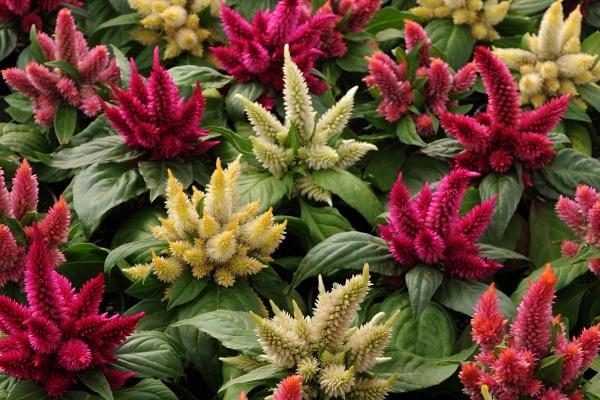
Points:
x=480 y=15
x=553 y=63
x=228 y=241
x=175 y=21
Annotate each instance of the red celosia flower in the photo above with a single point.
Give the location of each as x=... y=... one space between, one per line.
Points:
x=502 y=135
x=152 y=116
x=61 y=332
x=256 y=49
x=428 y=229
x=47 y=88
x=290 y=388
x=27 y=10
x=18 y=204
x=507 y=364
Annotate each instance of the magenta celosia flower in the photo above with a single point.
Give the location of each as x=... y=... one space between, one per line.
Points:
x=27 y=11
x=18 y=204
x=502 y=135
x=153 y=117
x=428 y=229
x=255 y=52
x=60 y=333
x=507 y=363
x=48 y=87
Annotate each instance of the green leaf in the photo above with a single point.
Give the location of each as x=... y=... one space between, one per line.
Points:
x=576 y=113
x=130 y=249
x=65 y=121
x=462 y=296
x=155 y=174
x=422 y=281
x=65 y=67
x=185 y=289
x=454 y=40
x=569 y=169
x=241 y=143
x=104 y=149
x=579 y=138
x=549 y=369
x=215 y=297
x=137 y=226
x=36 y=50
x=188 y=75
x=123 y=64
x=528 y=7
x=443 y=148
x=95 y=380
x=354 y=60
x=151 y=354
x=234 y=106
x=147 y=389
x=234 y=329
x=383 y=166
x=259 y=375
x=419 y=169
x=508 y=191
x=406 y=131
x=591 y=94
x=343 y=251
x=354 y=191
x=121 y=20
x=387 y=18
x=591 y=44
x=101 y=187
x=27 y=390
x=323 y=221
x=8 y=40
x=261 y=186
x=28 y=140
x=498 y=253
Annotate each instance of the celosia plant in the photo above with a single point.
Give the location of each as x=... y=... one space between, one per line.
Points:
x=318 y=145
x=333 y=359
x=552 y=63
x=151 y=115
x=28 y=11
x=227 y=241
x=255 y=52
x=582 y=215
x=429 y=229
x=503 y=135
x=396 y=88
x=481 y=16
x=175 y=21
x=20 y=204
x=60 y=333
x=48 y=87
x=515 y=365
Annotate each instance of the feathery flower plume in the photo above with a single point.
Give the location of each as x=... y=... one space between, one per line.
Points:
x=553 y=63
x=227 y=241
x=318 y=145
x=151 y=115
x=330 y=358
x=508 y=364
x=176 y=22
x=481 y=16
x=255 y=52
x=428 y=229
x=28 y=11
x=48 y=87
x=60 y=333
x=20 y=204
x=503 y=135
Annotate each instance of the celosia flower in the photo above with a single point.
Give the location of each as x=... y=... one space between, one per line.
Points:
x=318 y=147
x=60 y=333
x=151 y=115
x=553 y=63
x=479 y=15
x=227 y=241
x=508 y=363
x=503 y=135
x=20 y=204
x=28 y=11
x=582 y=215
x=330 y=359
x=175 y=21
x=429 y=230
x=48 y=87
x=255 y=52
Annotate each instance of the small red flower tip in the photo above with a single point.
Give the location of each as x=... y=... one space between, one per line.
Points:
x=594 y=266
x=290 y=388
x=569 y=248
x=548 y=277
x=243 y=396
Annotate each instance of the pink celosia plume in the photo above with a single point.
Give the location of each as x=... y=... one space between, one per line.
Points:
x=151 y=115
x=60 y=332
x=428 y=229
x=488 y=323
x=502 y=135
x=48 y=87
x=290 y=388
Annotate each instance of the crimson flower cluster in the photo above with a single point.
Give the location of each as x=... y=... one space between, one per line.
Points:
x=503 y=134
x=28 y=11
x=255 y=52
x=60 y=333
x=48 y=87
x=151 y=115
x=20 y=204
x=509 y=363
x=289 y=388
x=396 y=88
x=429 y=230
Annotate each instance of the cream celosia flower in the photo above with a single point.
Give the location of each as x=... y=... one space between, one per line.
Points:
x=227 y=241
x=333 y=358
x=317 y=145
x=480 y=15
x=553 y=64
x=176 y=21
